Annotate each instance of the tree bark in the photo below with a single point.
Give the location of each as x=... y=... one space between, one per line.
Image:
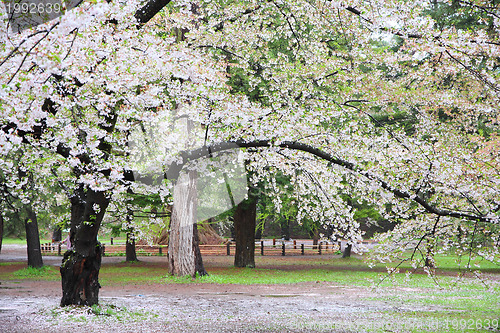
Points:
x=57 y=234
x=33 y=240
x=245 y=216
x=149 y=10
x=81 y=263
x=347 y=251
x=184 y=255
x=315 y=236
x=130 y=253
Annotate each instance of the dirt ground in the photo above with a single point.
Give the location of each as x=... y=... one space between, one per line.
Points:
x=32 y=306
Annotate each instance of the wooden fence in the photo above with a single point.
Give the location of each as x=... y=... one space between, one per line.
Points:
x=261 y=248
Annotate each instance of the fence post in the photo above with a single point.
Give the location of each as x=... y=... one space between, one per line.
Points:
x=59 y=249
x=274 y=242
x=111 y=240
x=302 y=249
x=228 y=248
x=262 y=248
x=283 y=249
x=319 y=248
x=295 y=244
x=160 y=251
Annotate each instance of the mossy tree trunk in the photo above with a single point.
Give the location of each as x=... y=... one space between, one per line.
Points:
x=81 y=263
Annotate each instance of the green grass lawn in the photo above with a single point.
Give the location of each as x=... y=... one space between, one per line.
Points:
x=21 y=241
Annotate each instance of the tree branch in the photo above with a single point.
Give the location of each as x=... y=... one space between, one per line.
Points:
x=205 y=151
x=149 y=10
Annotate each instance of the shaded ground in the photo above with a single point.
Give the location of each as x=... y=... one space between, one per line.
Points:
x=32 y=306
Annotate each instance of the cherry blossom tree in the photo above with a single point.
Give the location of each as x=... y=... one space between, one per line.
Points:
x=377 y=95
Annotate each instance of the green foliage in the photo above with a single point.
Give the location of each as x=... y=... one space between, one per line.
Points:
x=460 y=15
x=240 y=84
x=146 y=200
x=288 y=210
x=396 y=120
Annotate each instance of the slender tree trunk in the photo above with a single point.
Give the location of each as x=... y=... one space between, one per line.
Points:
x=81 y=263
x=184 y=255
x=285 y=229
x=33 y=240
x=57 y=234
x=1 y=231
x=315 y=237
x=130 y=253
x=347 y=251
x=245 y=216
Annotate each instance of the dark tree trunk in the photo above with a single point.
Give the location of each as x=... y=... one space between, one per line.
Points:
x=198 y=260
x=245 y=216
x=347 y=251
x=285 y=229
x=184 y=255
x=315 y=237
x=33 y=240
x=231 y=228
x=130 y=253
x=258 y=233
x=57 y=234
x=1 y=231
x=81 y=263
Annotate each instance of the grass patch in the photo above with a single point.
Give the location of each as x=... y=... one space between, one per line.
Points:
x=10 y=263
x=249 y=276
x=45 y=273
x=454 y=310
x=131 y=273
x=100 y=313
x=453 y=263
x=21 y=241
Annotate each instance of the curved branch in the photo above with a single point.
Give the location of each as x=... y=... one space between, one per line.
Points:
x=149 y=10
x=205 y=151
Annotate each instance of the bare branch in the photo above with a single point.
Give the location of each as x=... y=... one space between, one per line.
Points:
x=149 y=10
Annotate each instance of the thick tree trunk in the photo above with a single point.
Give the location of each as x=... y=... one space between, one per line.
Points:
x=81 y=263
x=1 y=231
x=130 y=253
x=184 y=255
x=33 y=240
x=245 y=216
